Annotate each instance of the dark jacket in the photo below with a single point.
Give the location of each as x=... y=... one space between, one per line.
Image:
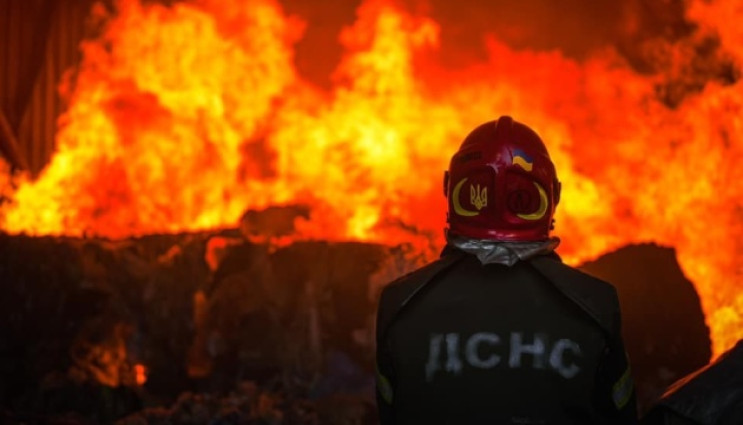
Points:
x=712 y=395
x=459 y=342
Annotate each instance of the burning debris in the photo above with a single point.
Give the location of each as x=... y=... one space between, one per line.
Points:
x=137 y=322
x=663 y=323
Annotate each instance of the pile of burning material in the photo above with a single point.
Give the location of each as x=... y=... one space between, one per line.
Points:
x=135 y=322
x=103 y=328
x=663 y=324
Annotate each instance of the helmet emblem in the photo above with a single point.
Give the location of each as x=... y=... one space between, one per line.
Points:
x=479 y=196
x=543 y=204
x=458 y=209
x=521 y=159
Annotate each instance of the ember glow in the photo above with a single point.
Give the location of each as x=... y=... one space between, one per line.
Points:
x=140 y=374
x=182 y=117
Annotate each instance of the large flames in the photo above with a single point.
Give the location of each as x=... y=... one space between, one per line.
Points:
x=182 y=117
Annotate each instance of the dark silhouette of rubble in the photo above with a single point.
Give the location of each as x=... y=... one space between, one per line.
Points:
x=663 y=324
x=206 y=313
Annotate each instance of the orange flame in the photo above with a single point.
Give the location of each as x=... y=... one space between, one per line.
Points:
x=140 y=374
x=183 y=117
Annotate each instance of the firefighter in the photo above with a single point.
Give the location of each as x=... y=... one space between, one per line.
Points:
x=499 y=330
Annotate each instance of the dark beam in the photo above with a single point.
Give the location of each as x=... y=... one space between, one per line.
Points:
x=9 y=145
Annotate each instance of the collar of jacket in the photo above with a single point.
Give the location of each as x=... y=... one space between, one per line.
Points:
x=500 y=252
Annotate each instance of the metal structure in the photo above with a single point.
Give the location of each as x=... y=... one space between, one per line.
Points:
x=39 y=42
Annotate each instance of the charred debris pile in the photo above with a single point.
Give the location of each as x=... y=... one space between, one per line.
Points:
x=216 y=327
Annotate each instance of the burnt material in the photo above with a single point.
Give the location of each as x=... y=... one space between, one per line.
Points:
x=198 y=312
x=286 y=310
x=663 y=324
x=80 y=314
x=204 y=312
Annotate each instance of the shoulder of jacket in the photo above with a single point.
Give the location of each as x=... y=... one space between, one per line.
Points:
x=407 y=284
x=595 y=296
x=396 y=295
x=580 y=278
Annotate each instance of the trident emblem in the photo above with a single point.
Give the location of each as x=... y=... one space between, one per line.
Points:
x=479 y=196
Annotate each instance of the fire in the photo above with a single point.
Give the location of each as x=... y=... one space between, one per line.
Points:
x=140 y=374
x=182 y=117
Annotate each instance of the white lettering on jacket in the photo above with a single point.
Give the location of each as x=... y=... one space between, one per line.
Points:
x=484 y=350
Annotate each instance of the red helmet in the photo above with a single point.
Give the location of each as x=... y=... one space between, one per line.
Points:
x=501 y=184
